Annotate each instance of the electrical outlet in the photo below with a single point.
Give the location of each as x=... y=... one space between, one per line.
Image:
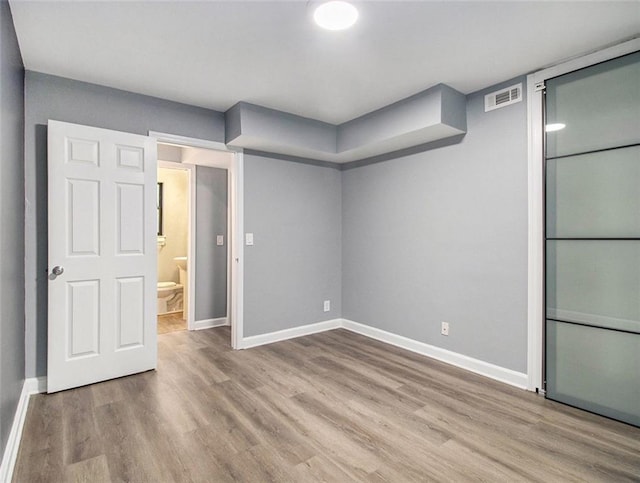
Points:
x=444 y=328
x=327 y=305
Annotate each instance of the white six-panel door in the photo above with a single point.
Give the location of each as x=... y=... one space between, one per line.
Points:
x=102 y=245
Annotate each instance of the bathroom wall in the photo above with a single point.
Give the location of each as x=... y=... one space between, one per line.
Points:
x=175 y=221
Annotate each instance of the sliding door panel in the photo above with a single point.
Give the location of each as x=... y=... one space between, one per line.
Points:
x=594 y=369
x=594 y=195
x=598 y=105
x=592 y=251
x=594 y=282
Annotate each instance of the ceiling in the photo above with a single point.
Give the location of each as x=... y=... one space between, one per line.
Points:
x=214 y=53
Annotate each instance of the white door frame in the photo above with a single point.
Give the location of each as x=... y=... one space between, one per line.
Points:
x=206 y=162
x=235 y=275
x=191 y=207
x=535 y=315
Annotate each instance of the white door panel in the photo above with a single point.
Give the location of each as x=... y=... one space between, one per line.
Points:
x=102 y=232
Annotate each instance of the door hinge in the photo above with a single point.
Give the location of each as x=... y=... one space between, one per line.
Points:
x=540 y=87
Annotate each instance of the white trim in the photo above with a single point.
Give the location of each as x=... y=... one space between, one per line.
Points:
x=229 y=246
x=30 y=386
x=208 y=323
x=236 y=187
x=235 y=272
x=502 y=374
x=587 y=60
x=498 y=373
x=292 y=333
x=191 y=251
x=178 y=140
x=535 y=255
x=536 y=203
x=36 y=385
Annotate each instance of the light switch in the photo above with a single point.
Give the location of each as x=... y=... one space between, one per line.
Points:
x=220 y=240
x=248 y=238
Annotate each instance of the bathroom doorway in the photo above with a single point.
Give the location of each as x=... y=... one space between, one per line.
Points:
x=173 y=242
x=193 y=242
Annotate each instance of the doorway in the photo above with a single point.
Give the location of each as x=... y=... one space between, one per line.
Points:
x=173 y=208
x=103 y=197
x=205 y=279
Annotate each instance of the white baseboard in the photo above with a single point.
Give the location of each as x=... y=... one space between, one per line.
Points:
x=292 y=333
x=36 y=385
x=31 y=386
x=209 y=323
x=487 y=369
x=502 y=374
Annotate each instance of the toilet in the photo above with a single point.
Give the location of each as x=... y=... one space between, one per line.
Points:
x=170 y=297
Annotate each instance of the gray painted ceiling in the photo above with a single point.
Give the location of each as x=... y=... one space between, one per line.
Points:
x=214 y=54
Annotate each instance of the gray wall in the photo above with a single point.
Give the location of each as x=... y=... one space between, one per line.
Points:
x=433 y=114
x=421 y=111
x=11 y=223
x=294 y=211
x=49 y=97
x=442 y=236
x=436 y=235
x=272 y=127
x=211 y=221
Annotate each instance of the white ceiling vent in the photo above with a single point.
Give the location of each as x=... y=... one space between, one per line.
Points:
x=503 y=97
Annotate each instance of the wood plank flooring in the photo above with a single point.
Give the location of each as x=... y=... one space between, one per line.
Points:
x=171 y=323
x=333 y=407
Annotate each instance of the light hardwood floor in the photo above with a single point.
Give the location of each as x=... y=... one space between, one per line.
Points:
x=171 y=323
x=332 y=407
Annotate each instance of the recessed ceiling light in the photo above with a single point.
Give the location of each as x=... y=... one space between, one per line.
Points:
x=554 y=127
x=335 y=15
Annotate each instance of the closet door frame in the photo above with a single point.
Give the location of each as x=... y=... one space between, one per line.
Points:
x=536 y=200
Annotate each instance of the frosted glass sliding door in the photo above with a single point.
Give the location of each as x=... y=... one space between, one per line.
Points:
x=592 y=275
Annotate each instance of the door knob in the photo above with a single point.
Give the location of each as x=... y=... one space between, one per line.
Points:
x=57 y=270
